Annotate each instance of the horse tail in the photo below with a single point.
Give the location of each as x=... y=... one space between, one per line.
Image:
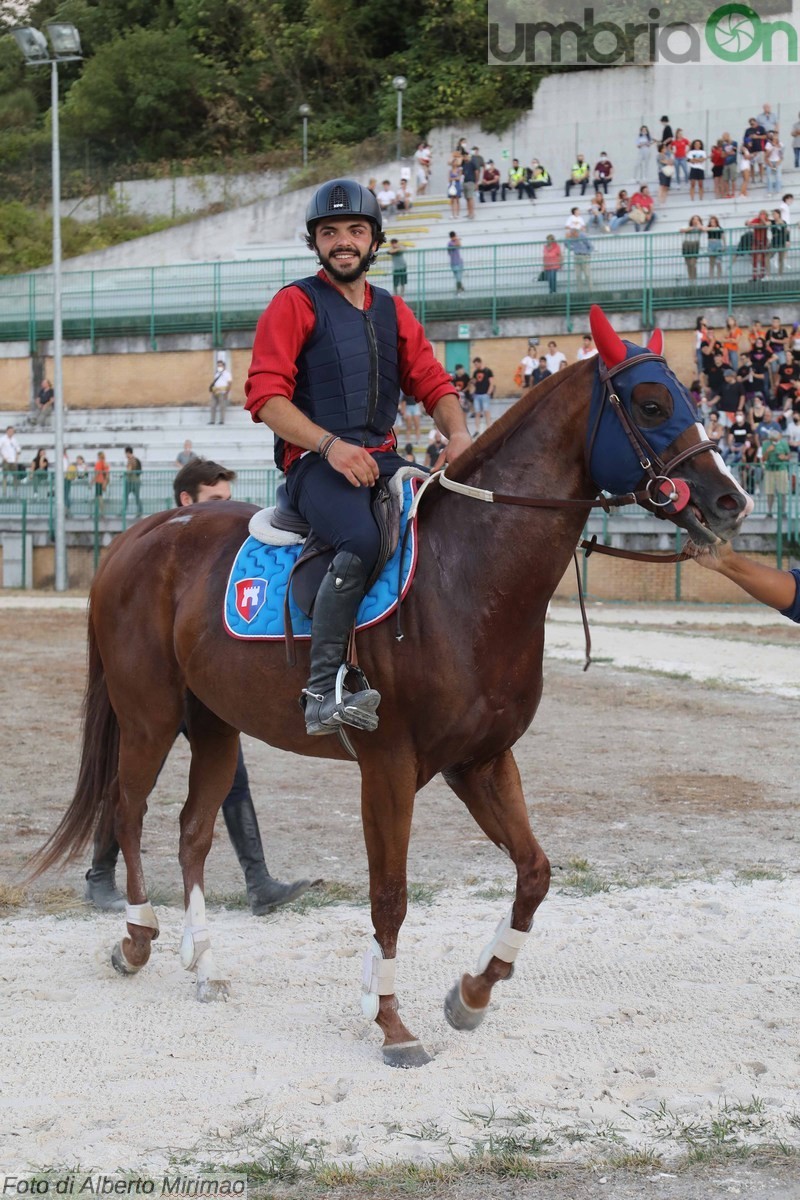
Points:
x=92 y=803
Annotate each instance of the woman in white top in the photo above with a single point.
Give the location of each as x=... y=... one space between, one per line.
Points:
x=696 y=159
x=643 y=144
x=773 y=155
x=575 y=221
x=745 y=168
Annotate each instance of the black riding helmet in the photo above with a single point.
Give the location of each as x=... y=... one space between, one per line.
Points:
x=341 y=198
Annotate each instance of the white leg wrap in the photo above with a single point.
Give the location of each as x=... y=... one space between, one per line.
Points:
x=506 y=943
x=196 y=942
x=142 y=914
x=377 y=979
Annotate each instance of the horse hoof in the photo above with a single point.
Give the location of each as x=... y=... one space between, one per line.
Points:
x=405 y=1055
x=459 y=1014
x=209 y=990
x=120 y=963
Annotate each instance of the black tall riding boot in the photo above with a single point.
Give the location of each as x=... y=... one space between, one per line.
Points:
x=335 y=611
x=263 y=892
x=101 y=885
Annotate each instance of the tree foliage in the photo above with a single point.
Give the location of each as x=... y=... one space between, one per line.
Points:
x=186 y=78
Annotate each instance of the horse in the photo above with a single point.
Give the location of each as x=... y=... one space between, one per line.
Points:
x=158 y=654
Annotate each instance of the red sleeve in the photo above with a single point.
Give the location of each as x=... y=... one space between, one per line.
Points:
x=281 y=333
x=421 y=373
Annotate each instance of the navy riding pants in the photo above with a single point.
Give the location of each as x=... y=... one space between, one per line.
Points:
x=337 y=511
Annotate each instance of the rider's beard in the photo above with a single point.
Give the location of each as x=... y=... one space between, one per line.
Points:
x=345 y=274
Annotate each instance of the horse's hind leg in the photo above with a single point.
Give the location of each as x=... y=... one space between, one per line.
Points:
x=141 y=755
x=215 y=750
x=493 y=794
x=387 y=803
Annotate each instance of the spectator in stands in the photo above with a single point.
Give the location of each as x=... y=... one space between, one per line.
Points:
x=690 y=246
x=785 y=390
x=490 y=183
x=538 y=178
x=731 y=399
x=540 y=372
x=775 y=455
x=578 y=176
x=587 y=349
x=759 y=416
x=773 y=160
x=399 y=267
x=387 y=199
x=795 y=135
x=422 y=157
x=730 y=342
x=525 y=370
x=641 y=210
x=603 y=173
x=751 y=472
x=701 y=339
x=552 y=262
x=45 y=399
x=767 y=119
x=483 y=388
x=779 y=238
x=717 y=167
x=461 y=380
x=716 y=246
x=575 y=222
x=186 y=455
x=473 y=170
x=738 y=436
x=515 y=181
x=730 y=150
x=408 y=455
x=102 y=474
x=745 y=168
x=754 y=138
x=435 y=449
x=621 y=211
x=599 y=216
x=759 y=227
x=411 y=417
x=554 y=358
x=643 y=147
x=696 y=159
x=220 y=390
x=666 y=133
x=456 y=261
x=455 y=184
x=405 y=196
x=715 y=374
x=133 y=481
x=680 y=149
x=581 y=249
x=717 y=433
x=38 y=470
x=666 y=171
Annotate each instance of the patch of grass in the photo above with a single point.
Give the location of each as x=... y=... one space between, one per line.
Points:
x=475 y=1117
x=325 y=893
x=513 y=1144
x=719 y=1137
x=494 y=891
x=62 y=901
x=754 y=874
x=635 y=1160
x=423 y=893
x=582 y=880
x=429 y=1131
x=11 y=896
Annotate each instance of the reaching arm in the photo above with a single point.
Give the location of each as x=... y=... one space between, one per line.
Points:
x=448 y=417
x=777 y=589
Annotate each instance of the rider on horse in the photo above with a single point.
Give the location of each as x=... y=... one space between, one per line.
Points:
x=332 y=354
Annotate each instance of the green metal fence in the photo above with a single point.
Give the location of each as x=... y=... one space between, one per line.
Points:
x=626 y=271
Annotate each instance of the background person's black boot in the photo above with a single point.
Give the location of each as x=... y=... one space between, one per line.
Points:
x=263 y=892
x=101 y=885
x=335 y=611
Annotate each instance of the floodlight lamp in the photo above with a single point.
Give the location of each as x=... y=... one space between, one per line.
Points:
x=399 y=82
x=65 y=40
x=305 y=110
x=32 y=43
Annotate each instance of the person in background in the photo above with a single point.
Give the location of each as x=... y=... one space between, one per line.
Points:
x=405 y=197
x=455 y=184
x=526 y=368
x=186 y=455
x=666 y=171
x=456 y=261
x=769 y=585
x=490 y=183
x=102 y=474
x=643 y=145
x=578 y=176
x=773 y=159
x=775 y=455
x=387 y=199
x=554 y=358
x=45 y=398
x=690 y=246
x=399 y=268
x=133 y=481
x=198 y=482
x=587 y=349
x=515 y=181
x=38 y=471
x=716 y=246
x=730 y=342
x=482 y=387
x=603 y=173
x=696 y=158
x=552 y=261
x=666 y=133
x=745 y=168
x=730 y=150
x=641 y=209
x=220 y=390
x=599 y=216
x=680 y=149
x=779 y=238
x=541 y=372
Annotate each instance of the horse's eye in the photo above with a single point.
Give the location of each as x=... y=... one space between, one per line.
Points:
x=652 y=410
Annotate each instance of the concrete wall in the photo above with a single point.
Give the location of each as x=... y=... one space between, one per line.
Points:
x=646 y=583
x=177 y=195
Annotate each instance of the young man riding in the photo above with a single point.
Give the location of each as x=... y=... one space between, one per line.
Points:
x=330 y=358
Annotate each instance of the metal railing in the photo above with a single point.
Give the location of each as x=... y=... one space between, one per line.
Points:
x=626 y=271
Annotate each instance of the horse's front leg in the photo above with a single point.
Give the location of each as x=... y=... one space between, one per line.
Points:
x=387 y=803
x=493 y=794
x=215 y=750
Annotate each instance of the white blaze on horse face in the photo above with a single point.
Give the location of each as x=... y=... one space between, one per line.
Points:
x=196 y=951
x=725 y=469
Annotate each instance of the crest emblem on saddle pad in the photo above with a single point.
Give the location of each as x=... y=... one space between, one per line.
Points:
x=251 y=595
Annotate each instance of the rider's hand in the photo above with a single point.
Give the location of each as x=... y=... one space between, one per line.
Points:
x=457 y=444
x=356 y=464
x=713 y=558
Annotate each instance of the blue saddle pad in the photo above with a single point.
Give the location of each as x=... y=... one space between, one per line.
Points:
x=254 y=597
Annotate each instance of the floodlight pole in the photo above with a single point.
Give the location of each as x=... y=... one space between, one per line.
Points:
x=58 y=368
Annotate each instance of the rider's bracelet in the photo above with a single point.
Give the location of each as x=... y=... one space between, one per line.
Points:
x=325 y=437
x=326 y=449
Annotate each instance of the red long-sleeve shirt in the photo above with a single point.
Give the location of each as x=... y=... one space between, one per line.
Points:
x=285 y=326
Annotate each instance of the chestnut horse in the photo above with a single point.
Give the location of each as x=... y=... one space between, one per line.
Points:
x=158 y=654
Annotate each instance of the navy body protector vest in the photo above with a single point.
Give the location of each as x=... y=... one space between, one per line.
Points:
x=348 y=380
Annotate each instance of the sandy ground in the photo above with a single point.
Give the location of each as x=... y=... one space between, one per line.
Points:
x=654 y=1008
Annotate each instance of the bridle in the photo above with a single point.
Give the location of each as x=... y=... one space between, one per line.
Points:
x=675 y=492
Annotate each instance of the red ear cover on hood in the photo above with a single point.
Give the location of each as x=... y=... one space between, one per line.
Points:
x=610 y=346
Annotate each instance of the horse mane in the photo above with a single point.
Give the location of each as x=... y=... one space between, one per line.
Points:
x=485 y=446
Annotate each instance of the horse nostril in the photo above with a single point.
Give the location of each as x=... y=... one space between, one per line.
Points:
x=730 y=502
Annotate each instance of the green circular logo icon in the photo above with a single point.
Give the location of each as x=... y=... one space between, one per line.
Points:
x=733 y=32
